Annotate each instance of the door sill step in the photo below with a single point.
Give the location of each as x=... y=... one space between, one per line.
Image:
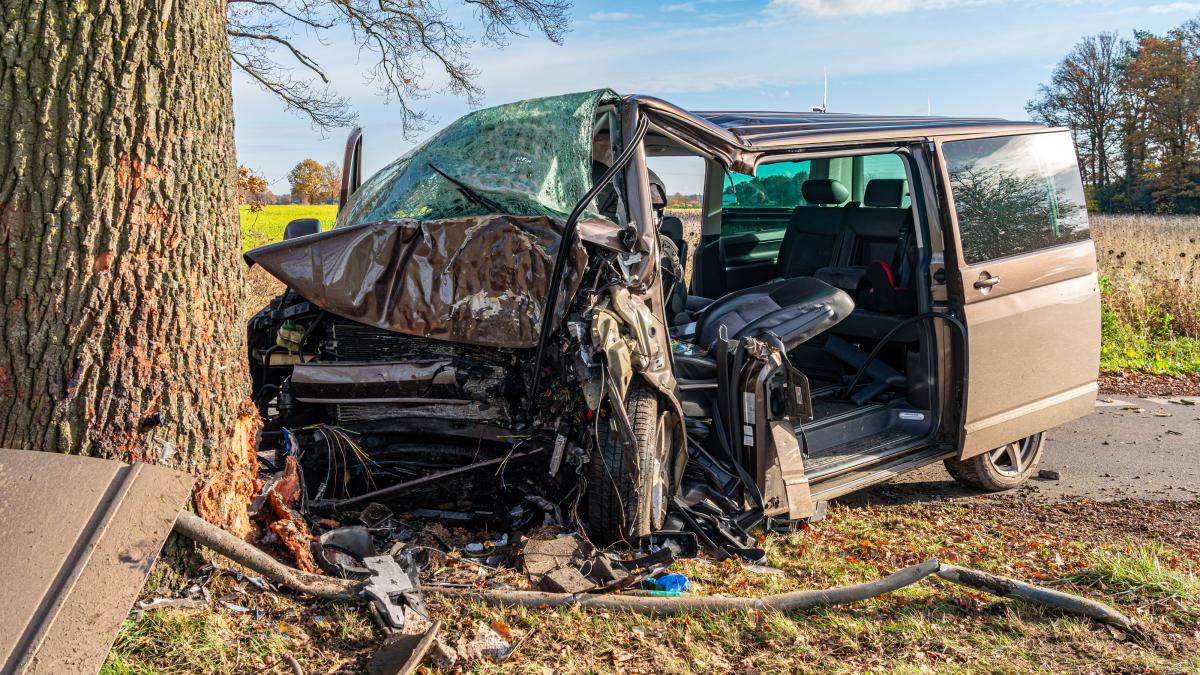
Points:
x=855 y=454
x=872 y=475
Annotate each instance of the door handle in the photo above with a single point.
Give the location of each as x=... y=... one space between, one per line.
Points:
x=986 y=281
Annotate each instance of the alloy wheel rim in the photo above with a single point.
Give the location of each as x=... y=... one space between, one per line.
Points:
x=1014 y=458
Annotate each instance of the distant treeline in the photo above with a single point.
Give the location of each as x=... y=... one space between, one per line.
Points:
x=1134 y=109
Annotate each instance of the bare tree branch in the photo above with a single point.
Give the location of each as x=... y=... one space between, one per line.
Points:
x=405 y=36
x=303 y=58
x=321 y=106
x=307 y=20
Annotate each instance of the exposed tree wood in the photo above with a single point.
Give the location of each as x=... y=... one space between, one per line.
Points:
x=120 y=279
x=202 y=532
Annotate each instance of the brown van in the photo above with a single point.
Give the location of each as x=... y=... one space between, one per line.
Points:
x=507 y=313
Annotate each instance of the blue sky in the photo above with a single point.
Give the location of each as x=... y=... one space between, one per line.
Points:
x=956 y=57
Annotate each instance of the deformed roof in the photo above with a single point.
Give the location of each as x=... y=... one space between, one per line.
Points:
x=741 y=137
x=762 y=128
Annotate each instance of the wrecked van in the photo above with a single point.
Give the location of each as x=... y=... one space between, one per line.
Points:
x=505 y=323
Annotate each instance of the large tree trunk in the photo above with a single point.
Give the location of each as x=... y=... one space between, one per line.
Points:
x=120 y=278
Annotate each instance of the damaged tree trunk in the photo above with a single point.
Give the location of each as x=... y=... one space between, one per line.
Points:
x=120 y=283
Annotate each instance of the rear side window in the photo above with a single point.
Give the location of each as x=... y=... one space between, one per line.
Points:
x=1015 y=194
x=777 y=185
x=886 y=167
x=763 y=203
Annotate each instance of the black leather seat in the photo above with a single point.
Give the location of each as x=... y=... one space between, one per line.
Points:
x=814 y=232
x=873 y=232
x=813 y=237
x=793 y=309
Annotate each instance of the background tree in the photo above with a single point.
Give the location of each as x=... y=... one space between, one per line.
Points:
x=333 y=181
x=1084 y=94
x=309 y=181
x=1134 y=109
x=121 y=330
x=251 y=189
x=1164 y=78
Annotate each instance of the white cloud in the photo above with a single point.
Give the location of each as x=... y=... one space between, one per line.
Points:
x=611 y=16
x=679 y=7
x=858 y=7
x=1174 y=8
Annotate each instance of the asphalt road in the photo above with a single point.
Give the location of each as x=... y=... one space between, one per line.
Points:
x=1146 y=448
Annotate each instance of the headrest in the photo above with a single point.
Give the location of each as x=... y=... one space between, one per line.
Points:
x=824 y=191
x=884 y=192
x=672 y=227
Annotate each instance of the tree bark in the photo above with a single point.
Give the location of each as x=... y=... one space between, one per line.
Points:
x=120 y=279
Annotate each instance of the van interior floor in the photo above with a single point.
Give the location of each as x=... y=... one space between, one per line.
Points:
x=844 y=438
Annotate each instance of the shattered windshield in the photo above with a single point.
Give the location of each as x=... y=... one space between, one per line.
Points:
x=526 y=158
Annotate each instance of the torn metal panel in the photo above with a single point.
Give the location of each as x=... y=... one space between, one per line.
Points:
x=478 y=280
x=80 y=535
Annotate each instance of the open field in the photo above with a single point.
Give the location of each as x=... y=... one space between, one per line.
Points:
x=1150 y=268
x=266 y=226
x=1142 y=557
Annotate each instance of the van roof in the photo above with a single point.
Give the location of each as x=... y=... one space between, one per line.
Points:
x=764 y=130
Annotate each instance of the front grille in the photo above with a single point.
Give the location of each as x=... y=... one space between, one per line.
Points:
x=355 y=342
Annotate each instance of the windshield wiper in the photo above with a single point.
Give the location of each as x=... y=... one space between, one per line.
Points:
x=478 y=199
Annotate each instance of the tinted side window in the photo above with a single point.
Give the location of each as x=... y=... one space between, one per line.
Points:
x=887 y=167
x=1015 y=194
x=776 y=185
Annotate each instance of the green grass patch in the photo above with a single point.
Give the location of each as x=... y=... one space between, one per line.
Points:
x=266 y=226
x=1149 y=344
x=1139 y=569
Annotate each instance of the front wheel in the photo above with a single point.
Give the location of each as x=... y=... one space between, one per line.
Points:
x=1002 y=468
x=628 y=488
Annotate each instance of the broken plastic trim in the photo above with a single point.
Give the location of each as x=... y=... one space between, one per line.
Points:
x=568 y=237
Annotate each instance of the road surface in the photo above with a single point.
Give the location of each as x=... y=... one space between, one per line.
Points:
x=1146 y=448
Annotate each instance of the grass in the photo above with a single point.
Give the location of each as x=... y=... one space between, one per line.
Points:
x=1150 y=286
x=1139 y=569
x=1137 y=556
x=266 y=226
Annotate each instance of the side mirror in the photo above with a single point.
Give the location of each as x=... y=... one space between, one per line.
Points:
x=351 y=167
x=301 y=227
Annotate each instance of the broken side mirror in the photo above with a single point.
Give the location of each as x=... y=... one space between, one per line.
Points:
x=301 y=227
x=351 y=167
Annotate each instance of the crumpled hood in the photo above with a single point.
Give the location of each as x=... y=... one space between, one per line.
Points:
x=478 y=280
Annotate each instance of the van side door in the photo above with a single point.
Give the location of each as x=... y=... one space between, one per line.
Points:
x=1023 y=278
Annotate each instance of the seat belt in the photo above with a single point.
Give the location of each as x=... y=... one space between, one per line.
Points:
x=900 y=258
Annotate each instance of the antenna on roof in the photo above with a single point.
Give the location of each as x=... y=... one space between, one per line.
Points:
x=824 y=107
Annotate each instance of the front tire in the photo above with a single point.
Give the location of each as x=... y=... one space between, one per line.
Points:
x=1002 y=468
x=628 y=488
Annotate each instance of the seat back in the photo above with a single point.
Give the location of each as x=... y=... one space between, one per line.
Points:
x=672 y=228
x=877 y=225
x=814 y=232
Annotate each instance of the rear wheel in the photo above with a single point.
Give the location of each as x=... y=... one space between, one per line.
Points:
x=628 y=487
x=1002 y=468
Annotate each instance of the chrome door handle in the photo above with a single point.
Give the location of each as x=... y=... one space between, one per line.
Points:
x=986 y=282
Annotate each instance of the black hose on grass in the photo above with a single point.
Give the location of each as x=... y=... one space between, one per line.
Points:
x=655 y=605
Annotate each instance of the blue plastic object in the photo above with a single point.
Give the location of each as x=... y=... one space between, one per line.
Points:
x=671 y=583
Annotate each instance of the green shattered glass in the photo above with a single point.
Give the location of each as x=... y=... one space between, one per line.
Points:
x=530 y=157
